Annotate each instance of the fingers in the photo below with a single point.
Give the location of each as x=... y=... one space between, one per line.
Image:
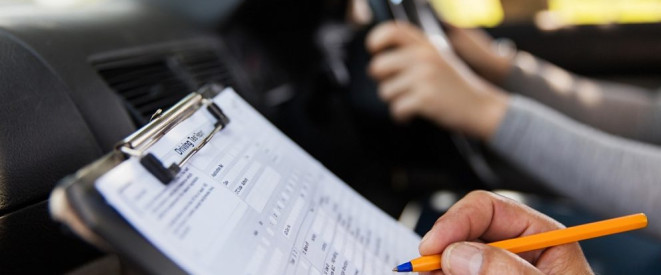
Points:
x=486 y=216
x=391 y=88
x=401 y=52
x=465 y=258
x=415 y=78
x=400 y=72
x=391 y=35
x=386 y=64
x=407 y=94
x=405 y=107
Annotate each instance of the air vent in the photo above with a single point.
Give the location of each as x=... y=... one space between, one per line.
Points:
x=149 y=83
x=204 y=67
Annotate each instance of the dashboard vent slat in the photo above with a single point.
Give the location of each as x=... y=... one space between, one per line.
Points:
x=205 y=67
x=150 y=82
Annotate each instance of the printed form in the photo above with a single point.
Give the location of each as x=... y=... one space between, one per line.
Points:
x=253 y=202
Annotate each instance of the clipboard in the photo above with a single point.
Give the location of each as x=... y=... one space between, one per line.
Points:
x=76 y=203
x=310 y=220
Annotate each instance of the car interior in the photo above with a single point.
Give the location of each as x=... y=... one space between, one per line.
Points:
x=78 y=76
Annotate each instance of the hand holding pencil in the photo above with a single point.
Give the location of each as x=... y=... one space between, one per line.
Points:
x=482 y=217
x=542 y=240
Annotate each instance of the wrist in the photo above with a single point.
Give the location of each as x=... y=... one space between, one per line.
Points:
x=504 y=51
x=490 y=110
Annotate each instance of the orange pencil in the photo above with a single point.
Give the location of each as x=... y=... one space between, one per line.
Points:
x=542 y=240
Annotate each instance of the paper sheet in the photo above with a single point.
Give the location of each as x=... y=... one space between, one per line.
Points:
x=253 y=202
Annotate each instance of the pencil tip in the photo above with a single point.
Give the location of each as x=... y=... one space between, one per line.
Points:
x=394 y=269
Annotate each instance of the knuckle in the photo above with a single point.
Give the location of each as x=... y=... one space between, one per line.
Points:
x=376 y=67
x=396 y=112
x=388 y=26
x=389 y=29
x=384 y=92
x=380 y=35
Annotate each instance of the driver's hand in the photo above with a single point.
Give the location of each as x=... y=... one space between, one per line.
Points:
x=417 y=79
x=485 y=217
x=476 y=48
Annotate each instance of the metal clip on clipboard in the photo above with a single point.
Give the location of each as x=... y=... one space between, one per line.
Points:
x=137 y=144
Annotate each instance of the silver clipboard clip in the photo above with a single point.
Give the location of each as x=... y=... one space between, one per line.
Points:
x=136 y=145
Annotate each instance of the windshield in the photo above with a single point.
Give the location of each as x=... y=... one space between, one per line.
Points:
x=548 y=14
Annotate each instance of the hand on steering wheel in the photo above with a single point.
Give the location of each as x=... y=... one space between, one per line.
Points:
x=417 y=79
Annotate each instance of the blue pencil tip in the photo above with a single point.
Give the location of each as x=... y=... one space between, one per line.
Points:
x=405 y=267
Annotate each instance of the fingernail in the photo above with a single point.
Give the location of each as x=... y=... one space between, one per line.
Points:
x=462 y=258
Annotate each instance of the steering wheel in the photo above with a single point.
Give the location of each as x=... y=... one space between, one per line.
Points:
x=421 y=14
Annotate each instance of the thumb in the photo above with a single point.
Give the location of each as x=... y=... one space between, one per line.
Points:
x=467 y=258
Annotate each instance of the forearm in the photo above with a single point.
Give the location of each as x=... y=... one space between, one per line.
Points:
x=605 y=173
x=614 y=108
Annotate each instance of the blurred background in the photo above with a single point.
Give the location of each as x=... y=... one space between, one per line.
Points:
x=105 y=67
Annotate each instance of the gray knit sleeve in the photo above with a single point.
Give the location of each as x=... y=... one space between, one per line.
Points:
x=605 y=173
x=618 y=109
